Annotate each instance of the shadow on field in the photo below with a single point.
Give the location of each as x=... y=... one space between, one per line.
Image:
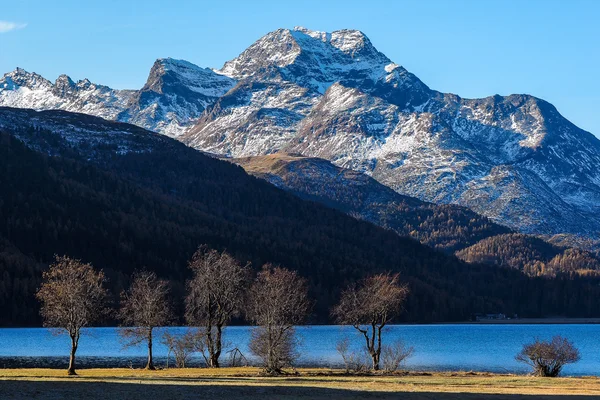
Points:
x=54 y=390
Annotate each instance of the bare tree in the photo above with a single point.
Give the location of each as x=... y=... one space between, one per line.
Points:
x=357 y=362
x=549 y=358
x=393 y=355
x=215 y=296
x=182 y=347
x=72 y=297
x=369 y=306
x=277 y=301
x=144 y=307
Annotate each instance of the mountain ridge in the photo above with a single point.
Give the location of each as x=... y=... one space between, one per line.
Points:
x=98 y=196
x=334 y=96
x=444 y=227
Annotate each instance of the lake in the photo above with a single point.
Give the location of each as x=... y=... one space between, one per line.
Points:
x=477 y=347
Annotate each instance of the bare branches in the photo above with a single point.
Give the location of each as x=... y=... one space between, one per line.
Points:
x=356 y=362
x=393 y=355
x=369 y=306
x=181 y=346
x=276 y=302
x=277 y=348
x=377 y=299
x=215 y=296
x=72 y=297
x=549 y=358
x=144 y=306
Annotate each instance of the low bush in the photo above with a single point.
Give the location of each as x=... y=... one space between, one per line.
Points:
x=547 y=358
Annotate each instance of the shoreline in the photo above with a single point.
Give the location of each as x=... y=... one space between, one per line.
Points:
x=531 y=321
x=319 y=383
x=516 y=321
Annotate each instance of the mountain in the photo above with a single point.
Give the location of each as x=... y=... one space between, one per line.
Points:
x=176 y=93
x=448 y=228
x=445 y=227
x=29 y=90
x=531 y=255
x=79 y=185
x=514 y=159
x=283 y=77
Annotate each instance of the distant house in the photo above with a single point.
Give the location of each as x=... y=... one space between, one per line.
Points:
x=489 y=317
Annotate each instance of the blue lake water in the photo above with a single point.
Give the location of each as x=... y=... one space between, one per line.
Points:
x=476 y=347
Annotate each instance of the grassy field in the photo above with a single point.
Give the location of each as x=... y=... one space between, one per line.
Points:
x=247 y=383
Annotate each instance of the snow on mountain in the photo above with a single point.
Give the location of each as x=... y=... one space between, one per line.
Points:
x=23 y=89
x=514 y=158
x=176 y=94
x=494 y=156
x=267 y=112
x=90 y=135
x=316 y=60
x=333 y=95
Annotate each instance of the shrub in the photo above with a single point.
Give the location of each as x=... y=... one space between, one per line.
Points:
x=181 y=346
x=393 y=355
x=547 y=358
x=355 y=362
x=276 y=350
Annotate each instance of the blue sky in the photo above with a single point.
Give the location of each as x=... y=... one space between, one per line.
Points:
x=550 y=49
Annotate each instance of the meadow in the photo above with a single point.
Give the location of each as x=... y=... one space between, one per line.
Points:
x=247 y=382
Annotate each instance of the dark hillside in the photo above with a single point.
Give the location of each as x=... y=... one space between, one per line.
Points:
x=127 y=210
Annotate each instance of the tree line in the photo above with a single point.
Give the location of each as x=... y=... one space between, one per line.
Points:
x=121 y=213
x=531 y=255
x=73 y=295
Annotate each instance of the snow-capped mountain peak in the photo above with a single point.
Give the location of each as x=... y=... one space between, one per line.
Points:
x=174 y=96
x=30 y=90
x=275 y=49
x=64 y=86
x=349 y=41
x=333 y=95
x=20 y=78
x=169 y=72
x=315 y=60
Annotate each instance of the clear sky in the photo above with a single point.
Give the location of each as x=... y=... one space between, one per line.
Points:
x=547 y=48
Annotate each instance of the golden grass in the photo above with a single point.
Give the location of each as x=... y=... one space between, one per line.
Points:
x=317 y=383
x=266 y=164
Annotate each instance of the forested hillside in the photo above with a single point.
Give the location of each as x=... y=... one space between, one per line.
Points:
x=123 y=210
x=443 y=226
x=531 y=255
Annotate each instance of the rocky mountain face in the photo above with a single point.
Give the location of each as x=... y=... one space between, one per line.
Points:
x=174 y=96
x=514 y=159
x=450 y=228
x=29 y=90
x=445 y=227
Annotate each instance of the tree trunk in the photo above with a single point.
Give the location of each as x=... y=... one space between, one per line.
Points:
x=214 y=346
x=272 y=364
x=150 y=364
x=377 y=350
x=375 y=357
x=74 y=343
x=214 y=361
